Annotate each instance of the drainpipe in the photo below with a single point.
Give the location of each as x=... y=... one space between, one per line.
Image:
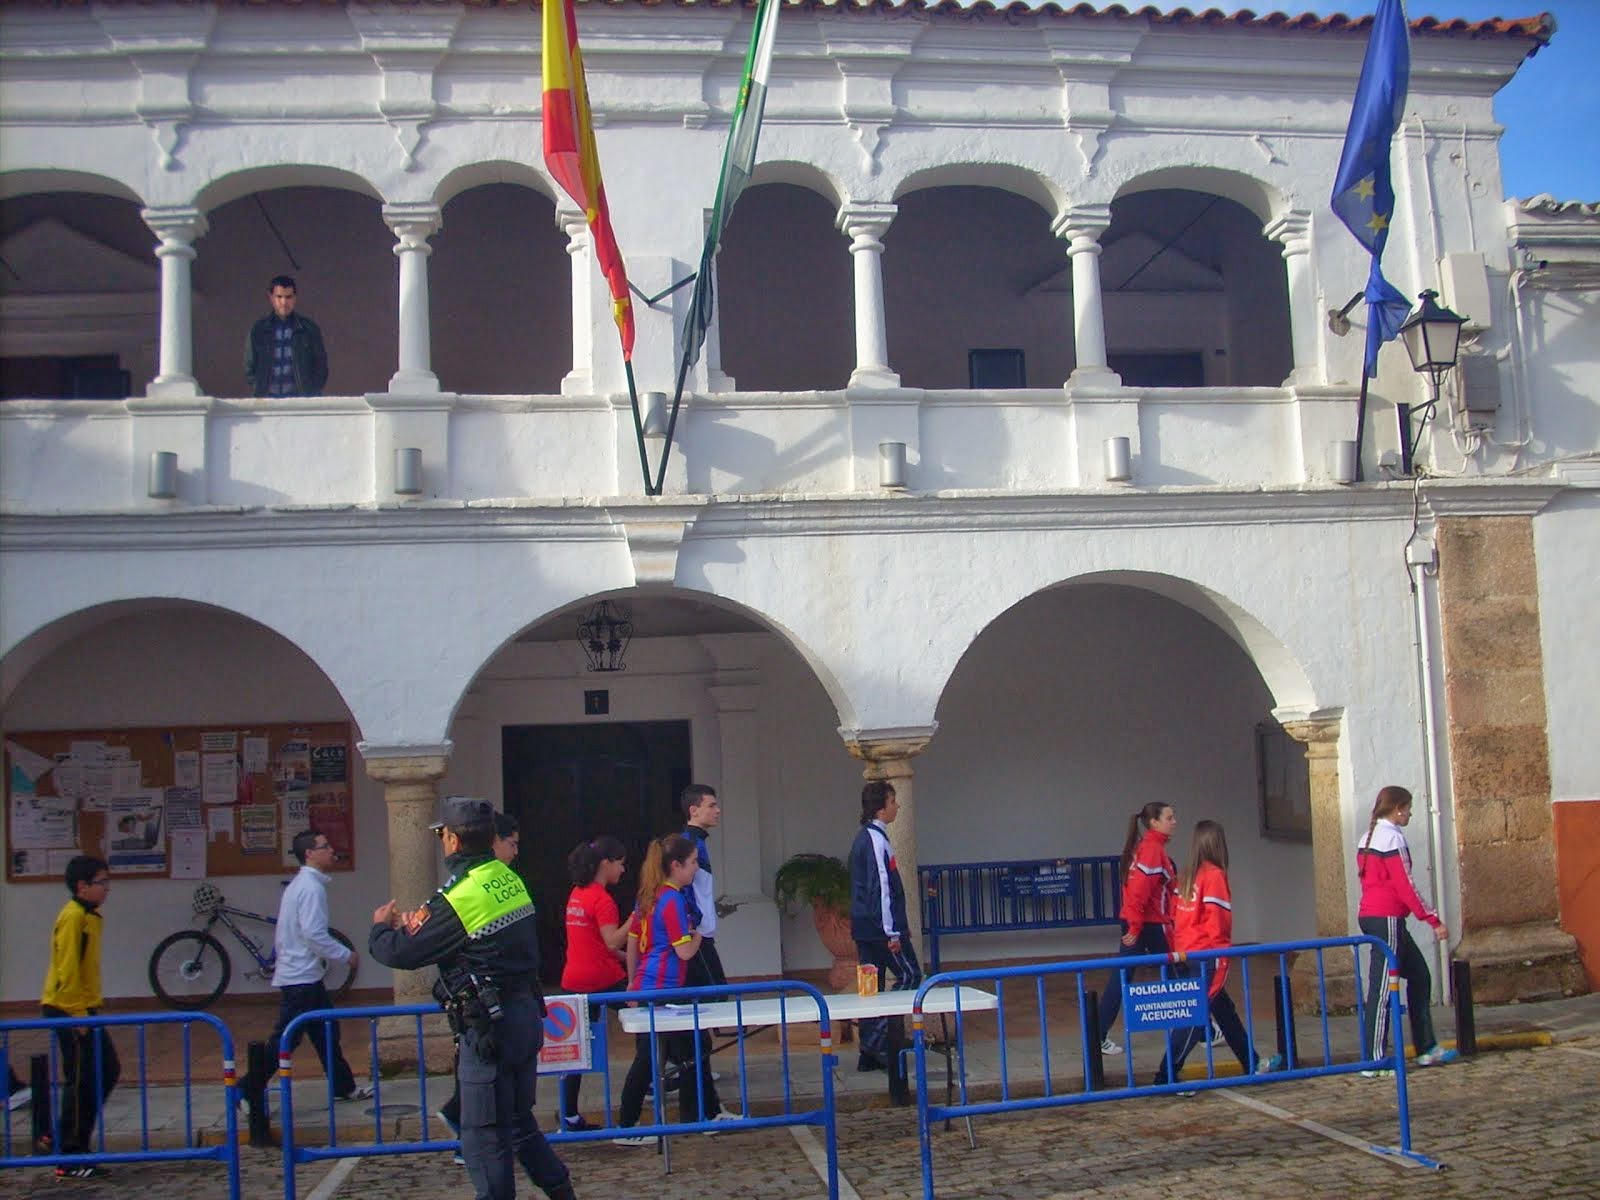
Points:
x=1422 y=565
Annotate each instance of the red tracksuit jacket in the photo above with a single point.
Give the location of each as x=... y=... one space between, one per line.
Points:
x=1147 y=894
x=1204 y=920
x=1383 y=864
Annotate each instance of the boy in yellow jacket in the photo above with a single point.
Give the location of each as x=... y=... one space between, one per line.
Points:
x=89 y=1065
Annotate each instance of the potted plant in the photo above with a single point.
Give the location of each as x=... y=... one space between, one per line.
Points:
x=823 y=882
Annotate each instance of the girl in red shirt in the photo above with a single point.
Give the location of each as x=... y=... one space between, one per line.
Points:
x=1146 y=902
x=595 y=938
x=1388 y=896
x=1203 y=920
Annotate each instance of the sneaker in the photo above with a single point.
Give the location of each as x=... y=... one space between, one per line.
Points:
x=638 y=1140
x=20 y=1098
x=1382 y=1073
x=362 y=1091
x=575 y=1125
x=1436 y=1057
x=720 y=1115
x=457 y=1159
x=1275 y=1063
x=87 y=1171
x=1109 y=1047
x=1214 y=1035
x=1186 y=1095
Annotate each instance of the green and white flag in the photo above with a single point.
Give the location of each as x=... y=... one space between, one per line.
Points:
x=738 y=161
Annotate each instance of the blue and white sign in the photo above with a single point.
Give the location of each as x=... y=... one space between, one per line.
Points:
x=1165 y=1004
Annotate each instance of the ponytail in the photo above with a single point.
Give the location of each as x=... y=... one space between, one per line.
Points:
x=1137 y=825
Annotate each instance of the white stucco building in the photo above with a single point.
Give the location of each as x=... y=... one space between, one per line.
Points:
x=1120 y=216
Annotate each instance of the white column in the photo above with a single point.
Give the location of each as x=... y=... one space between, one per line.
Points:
x=1082 y=226
x=580 y=380
x=177 y=228
x=865 y=225
x=1293 y=231
x=413 y=225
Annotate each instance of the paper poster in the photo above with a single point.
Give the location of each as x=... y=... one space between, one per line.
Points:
x=219 y=823
x=328 y=763
x=219 y=778
x=183 y=809
x=186 y=769
x=41 y=822
x=29 y=862
x=126 y=778
x=296 y=816
x=99 y=782
x=68 y=779
x=88 y=752
x=118 y=753
x=255 y=755
x=292 y=771
x=258 y=828
x=329 y=814
x=56 y=860
x=217 y=743
x=34 y=766
x=134 y=832
x=189 y=853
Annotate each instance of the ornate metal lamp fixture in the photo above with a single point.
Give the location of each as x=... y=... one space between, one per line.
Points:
x=604 y=634
x=1432 y=337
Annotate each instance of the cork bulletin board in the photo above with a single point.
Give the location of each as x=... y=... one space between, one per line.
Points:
x=186 y=803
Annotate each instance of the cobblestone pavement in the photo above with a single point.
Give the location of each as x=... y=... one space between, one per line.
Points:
x=1520 y=1123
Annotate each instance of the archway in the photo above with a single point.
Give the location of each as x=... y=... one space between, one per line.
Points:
x=161 y=666
x=1083 y=702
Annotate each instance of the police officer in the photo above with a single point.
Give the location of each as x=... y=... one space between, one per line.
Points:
x=479 y=930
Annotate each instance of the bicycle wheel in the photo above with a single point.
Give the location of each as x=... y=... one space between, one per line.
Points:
x=339 y=978
x=189 y=970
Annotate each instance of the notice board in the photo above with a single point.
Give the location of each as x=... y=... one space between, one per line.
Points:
x=186 y=803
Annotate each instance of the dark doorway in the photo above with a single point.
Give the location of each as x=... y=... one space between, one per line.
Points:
x=567 y=783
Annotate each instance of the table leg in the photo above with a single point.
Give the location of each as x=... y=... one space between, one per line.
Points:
x=899 y=1090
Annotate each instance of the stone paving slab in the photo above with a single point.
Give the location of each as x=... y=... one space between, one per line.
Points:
x=1509 y=1125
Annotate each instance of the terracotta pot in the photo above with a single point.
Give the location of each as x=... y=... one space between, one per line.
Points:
x=833 y=927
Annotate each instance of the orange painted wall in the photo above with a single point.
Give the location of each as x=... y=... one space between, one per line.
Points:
x=1578 y=878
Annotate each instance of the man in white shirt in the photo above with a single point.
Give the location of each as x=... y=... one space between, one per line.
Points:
x=304 y=947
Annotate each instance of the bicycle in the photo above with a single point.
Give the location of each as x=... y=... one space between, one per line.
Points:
x=191 y=968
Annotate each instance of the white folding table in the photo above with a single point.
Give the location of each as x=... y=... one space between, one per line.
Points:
x=802 y=1010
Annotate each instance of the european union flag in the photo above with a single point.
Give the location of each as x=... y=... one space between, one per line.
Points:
x=1363 y=191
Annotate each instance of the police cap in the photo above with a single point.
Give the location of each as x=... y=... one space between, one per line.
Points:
x=462 y=810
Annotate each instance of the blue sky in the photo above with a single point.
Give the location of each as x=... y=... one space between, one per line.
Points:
x=1551 y=109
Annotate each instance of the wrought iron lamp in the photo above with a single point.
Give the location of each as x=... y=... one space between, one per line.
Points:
x=604 y=633
x=1432 y=337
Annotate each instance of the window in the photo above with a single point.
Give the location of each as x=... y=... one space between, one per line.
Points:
x=988 y=369
x=1164 y=369
x=1284 y=783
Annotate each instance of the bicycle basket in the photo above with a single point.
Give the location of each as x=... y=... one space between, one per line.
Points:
x=207 y=899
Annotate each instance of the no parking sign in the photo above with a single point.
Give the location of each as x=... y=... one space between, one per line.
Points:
x=566 y=1035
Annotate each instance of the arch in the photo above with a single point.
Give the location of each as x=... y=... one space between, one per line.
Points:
x=1009 y=178
x=1285 y=678
x=801 y=175
x=472 y=175
x=31 y=181
x=241 y=183
x=835 y=690
x=37 y=645
x=1260 y=197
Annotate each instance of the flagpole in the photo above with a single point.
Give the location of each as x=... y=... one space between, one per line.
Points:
x=638 y=425
x=1361 y=421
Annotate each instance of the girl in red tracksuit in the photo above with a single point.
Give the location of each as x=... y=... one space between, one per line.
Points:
x=1203 y=920
x=1146 y=902
x=1388 y=895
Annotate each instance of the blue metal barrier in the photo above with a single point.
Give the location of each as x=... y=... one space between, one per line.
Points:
x=45 y=1154
x=678 y=1002
x=1177 y=1004
x=998 y=897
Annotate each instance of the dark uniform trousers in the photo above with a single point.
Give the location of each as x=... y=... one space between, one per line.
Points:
x=497 y=1096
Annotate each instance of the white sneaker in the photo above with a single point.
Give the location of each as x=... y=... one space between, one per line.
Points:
x=363 y=1091
x=720 y=1115
x=1381 y=1073
x=20 y=1098
x=1110 y=1047
x=633 y=1141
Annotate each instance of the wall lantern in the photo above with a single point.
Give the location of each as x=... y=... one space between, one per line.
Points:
x=1432 y=337
x=604 y=634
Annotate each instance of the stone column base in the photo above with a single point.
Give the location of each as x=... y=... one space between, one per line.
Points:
x=1339 y=970
x=397 y=1046
x=1522 y=962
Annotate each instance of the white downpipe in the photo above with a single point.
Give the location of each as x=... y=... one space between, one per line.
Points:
x=1423 y=634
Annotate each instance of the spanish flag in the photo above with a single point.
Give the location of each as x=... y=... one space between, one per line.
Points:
x=570 y=154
